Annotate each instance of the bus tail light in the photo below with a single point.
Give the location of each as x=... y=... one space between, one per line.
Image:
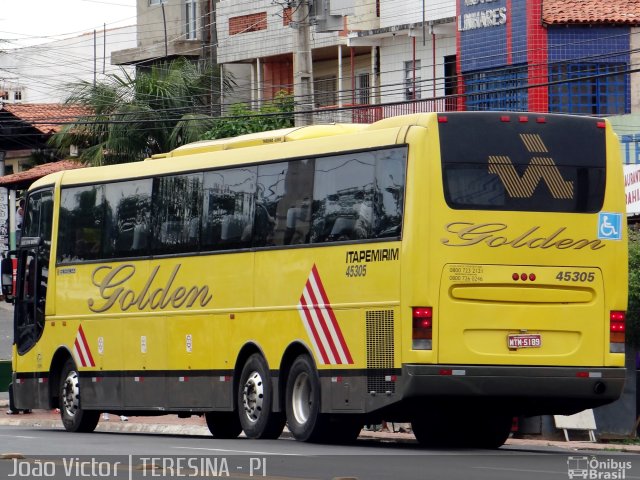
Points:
x=422 y=328
x=616 y=331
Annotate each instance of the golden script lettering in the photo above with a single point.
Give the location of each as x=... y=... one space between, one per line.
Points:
x=110 y=281
x=467 y=234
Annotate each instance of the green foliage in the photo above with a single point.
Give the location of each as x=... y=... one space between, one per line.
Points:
x=130 y=118
x=633 y=309
x=241 y=119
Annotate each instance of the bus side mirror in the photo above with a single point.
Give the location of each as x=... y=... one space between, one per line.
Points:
x=8 y=270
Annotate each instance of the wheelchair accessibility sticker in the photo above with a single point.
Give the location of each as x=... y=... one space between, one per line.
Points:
x=609 y=226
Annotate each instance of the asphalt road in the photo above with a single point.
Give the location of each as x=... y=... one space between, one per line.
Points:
x=135 y=455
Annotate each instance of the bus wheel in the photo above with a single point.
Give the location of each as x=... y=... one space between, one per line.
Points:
x=304 y=419
x=475 y=429
x=223 y=424
x=74 y=418
x=434 y=431
x=490 y=430
x=255 y=398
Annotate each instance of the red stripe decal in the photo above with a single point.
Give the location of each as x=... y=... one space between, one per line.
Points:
x=332 y=315
x=86 y=346
x=320 y=313
x=312 y=327
x=78 y=350
x=321 y=322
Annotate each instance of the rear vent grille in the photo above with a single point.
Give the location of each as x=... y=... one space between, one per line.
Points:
x=380 y=351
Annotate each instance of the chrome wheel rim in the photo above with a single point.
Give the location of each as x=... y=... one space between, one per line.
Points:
x=253 y=396
x=301 y=398
x=71 y=394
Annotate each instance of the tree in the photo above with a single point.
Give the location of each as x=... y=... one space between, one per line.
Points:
x=633 y=309
x=241 y=119
x=158 y=110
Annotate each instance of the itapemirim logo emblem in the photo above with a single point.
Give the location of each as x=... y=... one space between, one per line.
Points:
x=594 y=468
x=540 y=168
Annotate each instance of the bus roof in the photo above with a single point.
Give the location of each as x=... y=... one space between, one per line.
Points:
x=262 y=138
x=196 y=156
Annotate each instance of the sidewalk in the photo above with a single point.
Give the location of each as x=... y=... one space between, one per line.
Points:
x=172 y=425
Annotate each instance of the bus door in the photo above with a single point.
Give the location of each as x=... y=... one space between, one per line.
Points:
x=33 y=270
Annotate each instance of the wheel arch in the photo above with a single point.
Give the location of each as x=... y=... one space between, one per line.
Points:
x=57 y=362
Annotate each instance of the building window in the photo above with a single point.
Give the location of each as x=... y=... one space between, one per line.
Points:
x=503 y=89
x=325 y=91
x=412 y=80
x=157 y=2
x=191 y=19
x=248 y=23
x=17 y=95
x=287 y=16
x=588 y=88
x=363 y=89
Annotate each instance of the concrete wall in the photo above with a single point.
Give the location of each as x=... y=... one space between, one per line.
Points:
x=399 y=12
x=634 y=59
x=277 y=39
x=151 y=24
x=396 y=50
x=364 y=16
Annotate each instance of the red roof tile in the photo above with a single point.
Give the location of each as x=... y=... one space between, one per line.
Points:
x=39 y=171
x=46 y=117
x=591 y=12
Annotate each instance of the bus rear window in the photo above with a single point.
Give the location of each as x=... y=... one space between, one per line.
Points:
x=493 y=161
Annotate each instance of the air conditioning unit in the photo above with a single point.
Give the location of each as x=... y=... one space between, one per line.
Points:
x=329 y=14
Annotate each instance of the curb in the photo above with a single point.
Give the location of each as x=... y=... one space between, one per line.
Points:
x=134 y=425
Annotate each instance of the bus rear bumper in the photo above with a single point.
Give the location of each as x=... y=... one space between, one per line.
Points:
x=533 y=389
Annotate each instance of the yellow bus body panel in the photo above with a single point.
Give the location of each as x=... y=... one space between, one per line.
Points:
x=197 y=312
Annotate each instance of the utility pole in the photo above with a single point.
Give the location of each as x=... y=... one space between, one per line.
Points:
x=302 y=65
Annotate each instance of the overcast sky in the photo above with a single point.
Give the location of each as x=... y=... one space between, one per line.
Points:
x=27 y=22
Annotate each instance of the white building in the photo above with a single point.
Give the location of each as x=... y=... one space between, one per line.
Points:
x=42 y=73
x=417 y=44
x=382 y=51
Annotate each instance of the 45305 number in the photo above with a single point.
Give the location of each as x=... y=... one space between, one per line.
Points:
x=575 y=276
x=356 y=271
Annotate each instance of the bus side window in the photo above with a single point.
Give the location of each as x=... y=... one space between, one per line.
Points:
x=128 y=216
x=81 y=223
x=285 y=191
x=229 y=204
x=343 y=197
x=389 y=192
x=177 y=208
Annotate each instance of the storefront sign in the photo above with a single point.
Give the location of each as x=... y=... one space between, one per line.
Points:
x=632 y=188
x=492 y=17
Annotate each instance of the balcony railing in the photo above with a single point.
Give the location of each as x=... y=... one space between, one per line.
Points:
x=358 y=113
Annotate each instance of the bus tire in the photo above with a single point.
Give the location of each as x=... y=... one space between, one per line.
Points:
x=74 y=418
x=435 y=431
x=475 y=429
x=255 y=400
x=304 y=420
x=490 y=430
x=223 y=424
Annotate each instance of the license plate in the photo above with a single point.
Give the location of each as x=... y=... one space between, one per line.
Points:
x=524 y=341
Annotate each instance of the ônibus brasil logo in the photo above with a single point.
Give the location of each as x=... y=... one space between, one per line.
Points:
x=597 y=468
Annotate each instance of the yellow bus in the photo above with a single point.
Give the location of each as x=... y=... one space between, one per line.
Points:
x=449 y=270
